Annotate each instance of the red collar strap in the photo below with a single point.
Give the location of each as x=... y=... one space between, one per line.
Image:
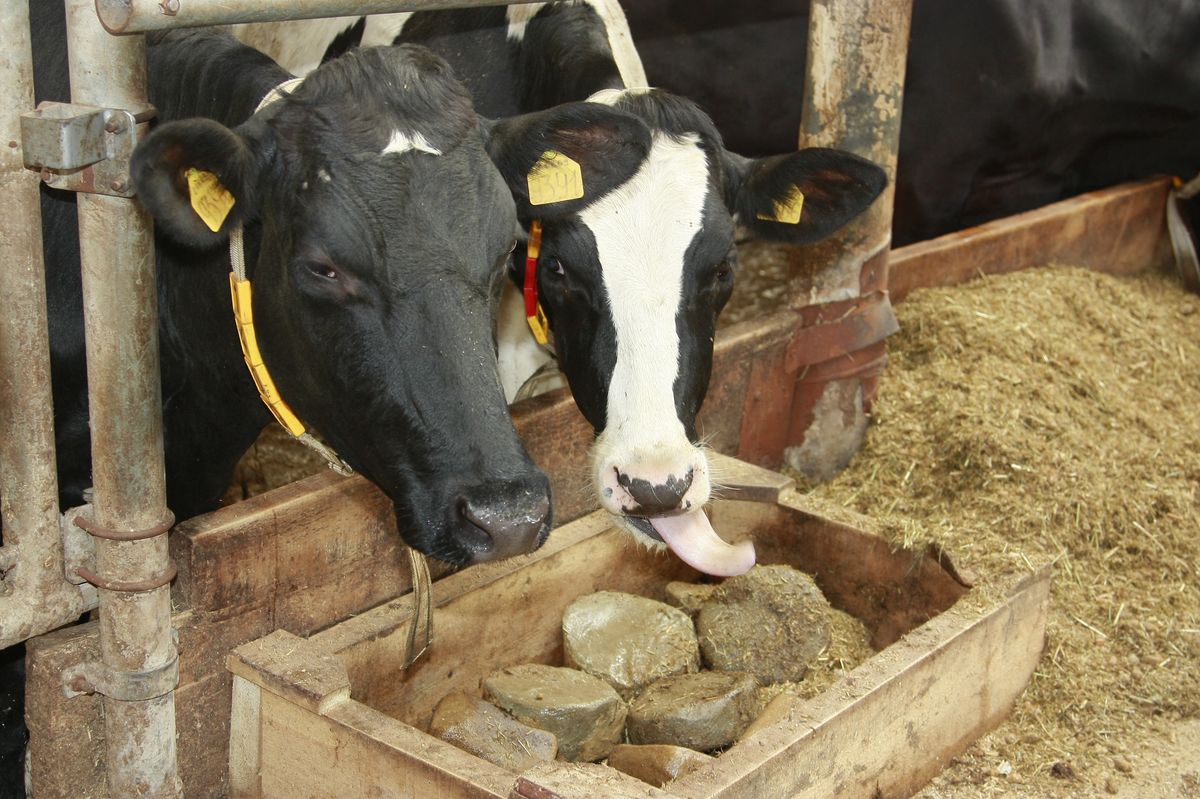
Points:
x=533 y=309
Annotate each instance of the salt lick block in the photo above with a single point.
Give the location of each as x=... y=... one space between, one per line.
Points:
x=704 y=711
x=771 y=622
x=689 y=596
x=656 y=764
x=628 y=640
x=583 y=712
x=486 y=731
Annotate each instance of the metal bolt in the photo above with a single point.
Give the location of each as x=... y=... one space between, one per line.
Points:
x=118 y=185
x=169 y=7
x=114 y=125
x=80 y=685
x=14 y=144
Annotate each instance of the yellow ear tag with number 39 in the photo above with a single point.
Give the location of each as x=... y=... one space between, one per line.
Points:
x=788 y=209
x=210 y=200
x=555 y=178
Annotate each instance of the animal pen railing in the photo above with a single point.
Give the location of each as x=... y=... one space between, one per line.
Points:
x=114 y=551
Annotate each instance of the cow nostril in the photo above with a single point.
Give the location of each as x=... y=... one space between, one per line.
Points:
x=656 y=497
x=503 y=525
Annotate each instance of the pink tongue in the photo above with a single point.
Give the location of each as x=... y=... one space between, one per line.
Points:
x=697 y=544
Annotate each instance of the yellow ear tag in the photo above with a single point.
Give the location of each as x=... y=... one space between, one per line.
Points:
x=788 y=209
x=210 y=200
x=554 y=179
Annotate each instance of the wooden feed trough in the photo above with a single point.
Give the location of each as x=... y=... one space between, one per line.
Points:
x=333 y=715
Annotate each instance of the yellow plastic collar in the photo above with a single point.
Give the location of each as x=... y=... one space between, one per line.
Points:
x=243 y=313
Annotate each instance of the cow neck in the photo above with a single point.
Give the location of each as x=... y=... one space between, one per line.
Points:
x=241 y=293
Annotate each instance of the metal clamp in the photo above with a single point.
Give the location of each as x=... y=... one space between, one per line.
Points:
x=91 y=528
x=83 y=148
x=129 y=586
x=94 y=677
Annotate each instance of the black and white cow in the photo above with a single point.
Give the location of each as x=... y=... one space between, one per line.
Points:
x=375 y=225
x=633 y=282
x=377 y=230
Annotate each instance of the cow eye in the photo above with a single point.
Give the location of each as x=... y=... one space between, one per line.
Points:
x=323 y=269
x=553 y=266
x=725 y=272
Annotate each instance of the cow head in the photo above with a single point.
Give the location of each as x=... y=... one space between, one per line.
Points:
x=632 y=284
x=377 y=230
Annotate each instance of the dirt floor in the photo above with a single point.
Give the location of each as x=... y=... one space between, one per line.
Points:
x=1050 y=415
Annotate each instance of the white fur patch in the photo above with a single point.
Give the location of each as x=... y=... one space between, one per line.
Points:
x=382 y=29
x=643 y=230
x=518 y=18
x=402 y=142
x=297 y=45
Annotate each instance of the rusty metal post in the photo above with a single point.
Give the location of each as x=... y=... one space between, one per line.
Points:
x=139 y=16
x=121 y=318
x=34 y=596
x=853 y=93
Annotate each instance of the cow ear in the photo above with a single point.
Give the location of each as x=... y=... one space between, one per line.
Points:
x=559 y=160
x=801 y=197
x=196 y=177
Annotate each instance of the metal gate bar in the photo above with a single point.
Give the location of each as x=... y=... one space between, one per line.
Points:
x=34 y=597
x=139 y=16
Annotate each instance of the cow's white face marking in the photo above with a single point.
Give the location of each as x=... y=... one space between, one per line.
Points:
x=643 y=230
x=402 y=142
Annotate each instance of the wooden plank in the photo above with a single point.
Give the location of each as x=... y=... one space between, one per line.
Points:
x=294 y=668
x=352 y=752
x=1121 y=230
x=895 y=721
x=582 y=781
x=245 y=740
x=313 y=552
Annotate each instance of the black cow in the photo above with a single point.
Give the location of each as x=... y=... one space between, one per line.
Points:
x=377 y=229
x=633 y=282
x=1008 y=104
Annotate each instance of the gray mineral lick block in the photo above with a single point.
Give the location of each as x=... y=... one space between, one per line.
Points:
x=656 y=764
x=628 y=640
x=689 y=596
x=704 y=711
x=486 y=731
x=583 y=712
x=772 y=622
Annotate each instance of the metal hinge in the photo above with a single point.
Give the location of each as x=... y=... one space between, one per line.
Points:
x=83 y=148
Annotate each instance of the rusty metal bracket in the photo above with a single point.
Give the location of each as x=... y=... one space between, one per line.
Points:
x=129 y=586
x=91 y=528
x=82 y=148
x=93 y=677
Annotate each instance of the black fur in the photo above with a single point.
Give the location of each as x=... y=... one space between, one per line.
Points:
x=608 y=145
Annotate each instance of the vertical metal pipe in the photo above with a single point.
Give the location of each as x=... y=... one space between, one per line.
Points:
x=121 y=321
x=853 y=94
x=34 y=596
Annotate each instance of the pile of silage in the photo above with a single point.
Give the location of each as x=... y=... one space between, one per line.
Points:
x=1053 y=415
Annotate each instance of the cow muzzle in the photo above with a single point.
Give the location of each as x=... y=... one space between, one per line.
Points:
x=500 y=519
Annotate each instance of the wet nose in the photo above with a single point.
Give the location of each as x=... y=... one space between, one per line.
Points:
x=499 y=520
x=655 y=498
